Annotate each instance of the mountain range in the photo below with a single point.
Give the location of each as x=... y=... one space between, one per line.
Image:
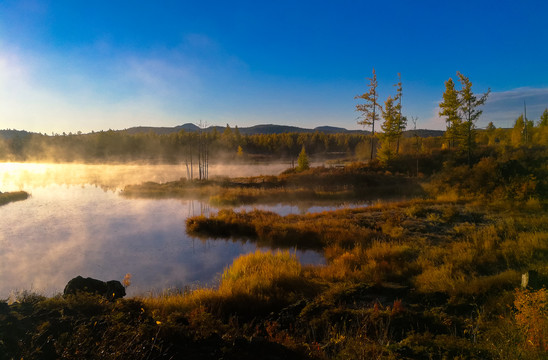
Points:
x=252 y=130
x=272 y=129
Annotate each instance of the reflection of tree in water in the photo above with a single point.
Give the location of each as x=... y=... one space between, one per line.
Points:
x=204 y=208
x=194 y=205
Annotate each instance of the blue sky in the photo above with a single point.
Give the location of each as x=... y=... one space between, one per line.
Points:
x=71 y=65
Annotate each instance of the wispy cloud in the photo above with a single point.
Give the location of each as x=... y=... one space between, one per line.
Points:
x=99 y=87
x=155 y=76
x=134 y=91
x=28 y=102
x=502 y=108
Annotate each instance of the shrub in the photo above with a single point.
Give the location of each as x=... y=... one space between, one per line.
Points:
x=531 y=316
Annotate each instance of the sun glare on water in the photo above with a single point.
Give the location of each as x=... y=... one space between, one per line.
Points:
x=16 y=176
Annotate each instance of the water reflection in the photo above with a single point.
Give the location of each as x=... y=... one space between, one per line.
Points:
x=76 y=224
x=64 y=231
x=301 y=208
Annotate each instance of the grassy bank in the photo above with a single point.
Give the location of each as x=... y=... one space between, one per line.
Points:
x=8 y=197
x=357 y=182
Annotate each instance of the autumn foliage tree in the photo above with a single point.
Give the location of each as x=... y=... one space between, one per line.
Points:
x=531 y=317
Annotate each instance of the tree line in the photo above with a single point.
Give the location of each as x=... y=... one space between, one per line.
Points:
x=194 y=148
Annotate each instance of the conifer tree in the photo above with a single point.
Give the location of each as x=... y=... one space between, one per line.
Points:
x=449 y=108
x=302 y=161
x=469 y=104
x=391 y=130
x=541 y=132
x=543 y=118
x=402 y=120
x=369 y=109
x=491 y=133
x=520 y=131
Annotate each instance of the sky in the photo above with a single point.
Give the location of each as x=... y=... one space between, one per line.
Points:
x=70 y=65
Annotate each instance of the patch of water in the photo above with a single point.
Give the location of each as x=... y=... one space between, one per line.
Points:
x=75 y=223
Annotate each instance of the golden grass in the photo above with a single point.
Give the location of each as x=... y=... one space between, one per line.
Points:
x=261 y=274
x=254 y=283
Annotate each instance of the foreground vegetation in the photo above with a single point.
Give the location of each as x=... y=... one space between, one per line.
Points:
x=8 y=197
x=436 y=277
x=411 y=280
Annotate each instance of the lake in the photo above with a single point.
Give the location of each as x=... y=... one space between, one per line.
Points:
x=76 y=223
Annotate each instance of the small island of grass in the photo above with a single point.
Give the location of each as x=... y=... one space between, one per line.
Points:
x=354 y=182
x=8 y=197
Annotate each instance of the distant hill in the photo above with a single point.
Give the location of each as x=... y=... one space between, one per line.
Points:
x=423 y=133
x=268 y=129
x=252 y=130
x=338 y=130
x=161 y=130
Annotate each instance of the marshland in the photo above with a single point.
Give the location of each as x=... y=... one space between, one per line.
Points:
x=341 y=259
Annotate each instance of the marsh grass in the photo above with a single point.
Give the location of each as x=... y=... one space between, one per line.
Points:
x=456 y=248
x=358 y=182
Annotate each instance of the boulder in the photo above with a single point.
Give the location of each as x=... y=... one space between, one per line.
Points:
x=111 y=290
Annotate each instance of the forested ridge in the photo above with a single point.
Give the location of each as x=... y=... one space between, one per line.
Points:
x=121 y=146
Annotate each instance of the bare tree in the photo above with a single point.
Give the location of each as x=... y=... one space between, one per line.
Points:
x=417 y=144
x=203 y=152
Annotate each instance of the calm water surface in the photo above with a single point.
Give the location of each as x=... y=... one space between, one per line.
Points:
x=75 y=223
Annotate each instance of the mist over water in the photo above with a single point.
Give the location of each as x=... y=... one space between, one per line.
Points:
x=75 y=223
x=27 y=176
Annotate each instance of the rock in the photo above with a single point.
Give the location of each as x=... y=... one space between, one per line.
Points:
x=532 y=280
x=115 y=289
x=111 y=290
